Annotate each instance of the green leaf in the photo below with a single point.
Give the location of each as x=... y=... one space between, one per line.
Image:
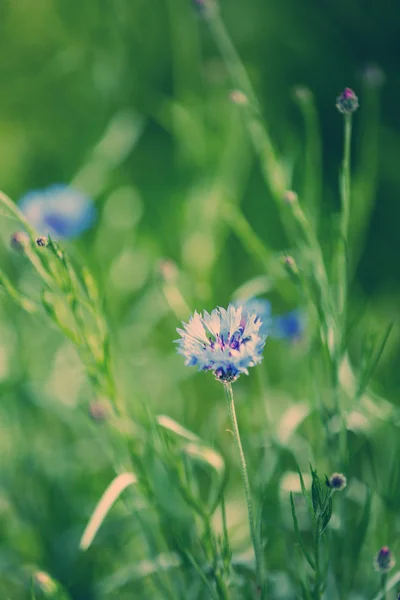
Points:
x=304 y=492
x=326 y=515
x=360 y=530
x=305 y=591
x=372 y=360
x=299 y=536
x=22 y=301
x=173 y=426
x=394 y=580
x=316 y=492
x=112 y=493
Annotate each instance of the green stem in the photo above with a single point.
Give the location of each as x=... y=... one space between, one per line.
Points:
x=14 y=210
x=343 y=276
x=273 y=171
x=345 y=189
x=246 y=484
x=317 y=562
x=383 y=585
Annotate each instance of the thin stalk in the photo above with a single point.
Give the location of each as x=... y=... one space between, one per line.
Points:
x=15 y=211
x=246 y=485
x=383 y=585
x=317 y=593
x=343 y=276
x=345 y=188
x=272 y=169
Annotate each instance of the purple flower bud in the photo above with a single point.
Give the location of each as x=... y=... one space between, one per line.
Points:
x=99 y=410
x=347 y=102
x=384 y=560
x=337 y=481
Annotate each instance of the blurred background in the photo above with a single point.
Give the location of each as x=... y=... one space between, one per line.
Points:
x=130 y=103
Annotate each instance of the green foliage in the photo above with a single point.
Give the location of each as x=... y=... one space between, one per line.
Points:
x=155 y=115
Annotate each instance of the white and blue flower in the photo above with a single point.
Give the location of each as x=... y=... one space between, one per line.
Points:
x=226 y=342
x=58 y=210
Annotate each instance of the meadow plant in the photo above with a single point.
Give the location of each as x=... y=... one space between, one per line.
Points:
x=309 y=534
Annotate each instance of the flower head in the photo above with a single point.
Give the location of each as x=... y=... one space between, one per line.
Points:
x=347 y=102
x=337 y=481
x=42 y=241
x=289 y=326
x=226 y=342
x=384 y=560
x=58 y=210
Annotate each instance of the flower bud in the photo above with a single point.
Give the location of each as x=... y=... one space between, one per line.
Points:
x=290 y=197
x=238 y=97
x=302 y=93
x=99 y=410
x=19 y=241
x=347 y=102
x=167 y=270
x=205 y=7
x=290 y=265
x=337 y=481
x=384 y=560
x=42 y=241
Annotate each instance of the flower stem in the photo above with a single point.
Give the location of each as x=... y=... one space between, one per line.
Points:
x=246 y=484
x=317 y=563
x=345 y=191
x=383 y=585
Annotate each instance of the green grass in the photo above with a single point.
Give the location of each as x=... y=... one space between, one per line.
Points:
x=181 y=172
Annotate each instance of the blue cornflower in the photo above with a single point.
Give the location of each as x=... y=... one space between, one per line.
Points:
x=58 y=210
x=287 y=326
x=226 y=342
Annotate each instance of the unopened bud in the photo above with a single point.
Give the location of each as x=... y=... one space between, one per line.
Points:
x=167 y=270
x=19 y=241
x=238 y=97
x=290 y=197
x=42 y=241
x=205 y=7
x=337 y=481
x=99 y=410
x=347 y=102
x=302 y=93
x=384 y=560
x=290 y=264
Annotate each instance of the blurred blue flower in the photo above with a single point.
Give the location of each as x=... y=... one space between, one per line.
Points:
x=58 y=210
x=226 y=342
x=288 y=326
